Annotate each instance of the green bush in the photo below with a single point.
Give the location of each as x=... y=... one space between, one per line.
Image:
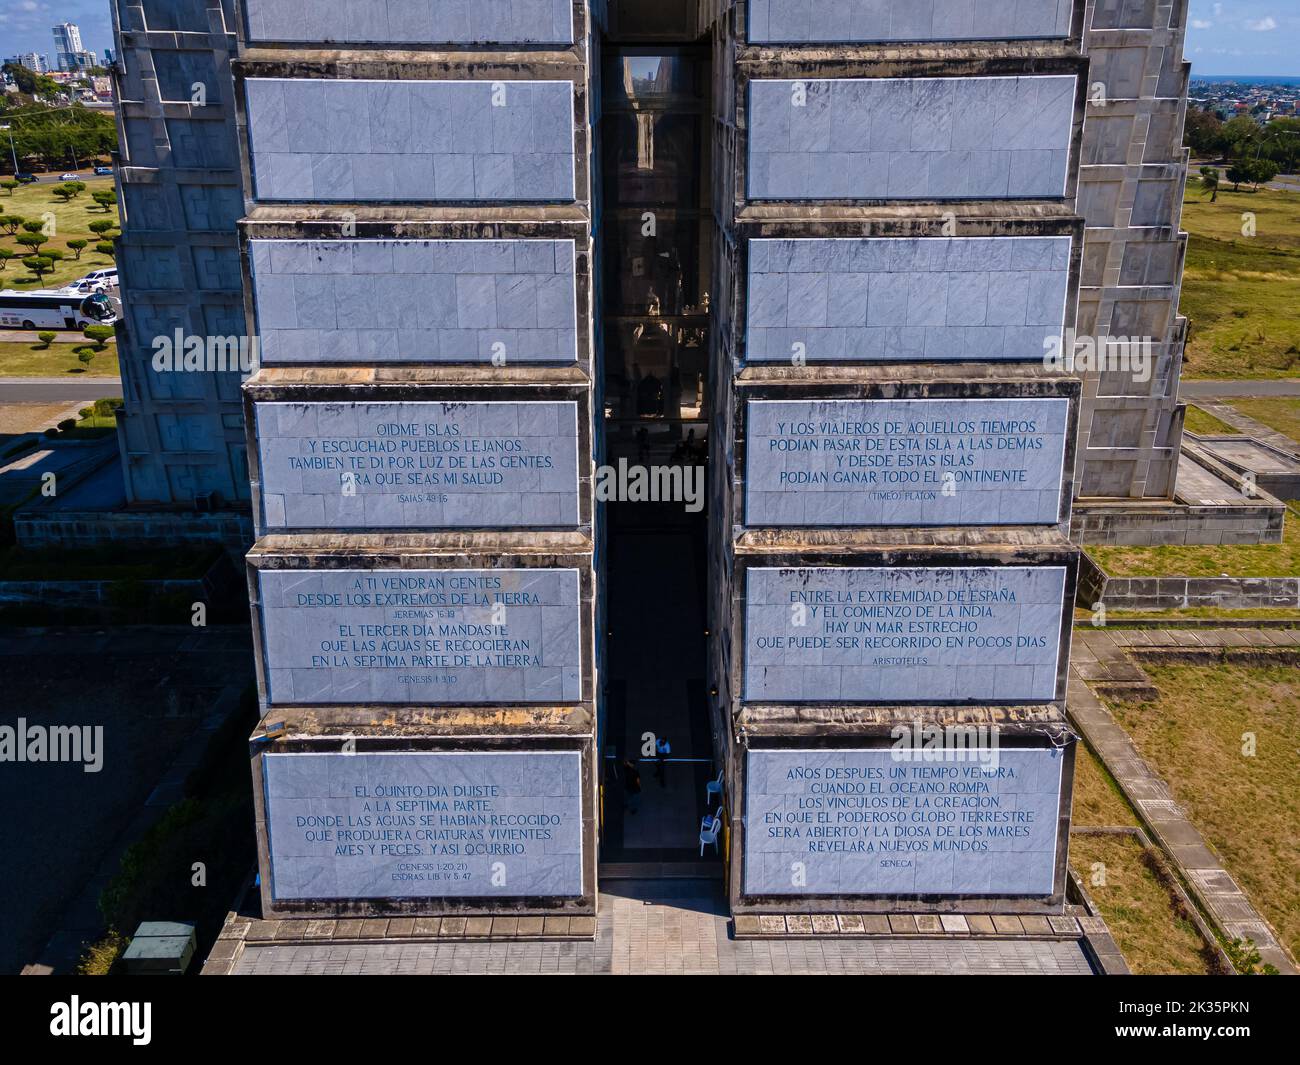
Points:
x=47 y=338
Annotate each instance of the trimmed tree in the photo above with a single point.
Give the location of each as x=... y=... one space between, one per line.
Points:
x=105 y=249
x=105 y=198
x=40 y=265
x=46 y=338
x=99 y=334
x=5 y=256
x=10 y=223
x=32 y=241
x=103 y=227
x=9 y=185
x=77 y=247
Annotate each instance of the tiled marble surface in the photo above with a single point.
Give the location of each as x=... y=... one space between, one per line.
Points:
x=439 y=637
x=848 y=21
x=355 y=141
x=864 y=822
x=464 y=465
x=467 y=799
x=411 y=21
x=353 y=301
x=903 y=635
x=894 y=299
x=910 y=138
x=904 y=462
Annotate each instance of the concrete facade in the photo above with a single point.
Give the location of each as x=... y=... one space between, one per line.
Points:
x=417 y=250
x=950 y=200
x=896 y=241
x=180 y=433
x=1131 y=177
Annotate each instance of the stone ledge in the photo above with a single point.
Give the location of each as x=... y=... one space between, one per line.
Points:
x=916 y=926
x=306 y=932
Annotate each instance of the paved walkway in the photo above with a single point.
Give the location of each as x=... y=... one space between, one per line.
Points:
x=1245 y=424
x=1099 y=656
x=57 y=389
x=1286 y=386
x=641 y=931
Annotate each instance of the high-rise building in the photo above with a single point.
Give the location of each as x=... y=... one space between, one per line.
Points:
x=181 y=432
x=33 y=61
x=67 y=45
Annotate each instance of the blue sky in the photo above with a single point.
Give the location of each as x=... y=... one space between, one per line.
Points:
x=1244 y=37
x=1223 y=36
x=26 y=25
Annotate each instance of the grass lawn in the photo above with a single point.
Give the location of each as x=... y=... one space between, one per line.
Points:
x=1097 y=799
x=1247 y=806
x=71 y=220
x=1206 y=424
x=18 y=358
x=1277 y=412
x=1241 y=292
x=1146 y=920
x=1205 y=560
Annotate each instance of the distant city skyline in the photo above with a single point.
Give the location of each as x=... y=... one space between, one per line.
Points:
x=1245 y=37
x=28 y=25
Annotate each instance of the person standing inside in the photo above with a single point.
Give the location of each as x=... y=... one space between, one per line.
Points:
x=631 y=786
x=662 y=750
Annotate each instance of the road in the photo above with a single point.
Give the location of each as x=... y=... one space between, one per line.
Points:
x=57 y=389
x=1200 y=389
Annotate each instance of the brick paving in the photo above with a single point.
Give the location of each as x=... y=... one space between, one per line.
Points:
x=1098 y=657
x=641 y=931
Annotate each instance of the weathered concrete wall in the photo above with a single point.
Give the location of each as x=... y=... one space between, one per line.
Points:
x=421 y=449
x=1130 y=194
x=415 y=301
x=180 y=432
x=414 y=22
x=910 y=138
x=909 y=299
x=825 y=146
x=1224 y=593
x=347 y=141
x=867 y=21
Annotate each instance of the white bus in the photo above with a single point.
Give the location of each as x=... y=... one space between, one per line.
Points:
x=45 y=309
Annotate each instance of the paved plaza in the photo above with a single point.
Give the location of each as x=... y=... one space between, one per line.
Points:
x=644 y=929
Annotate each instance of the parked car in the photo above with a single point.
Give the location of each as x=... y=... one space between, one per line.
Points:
x=102 y=171
x=69 y=177
x=98 y=278
x=25 y=179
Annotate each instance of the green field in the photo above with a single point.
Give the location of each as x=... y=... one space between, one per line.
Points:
x=1224 y=738
x=1241 y=292
x=19 y=358
x=1277 y=412
x=71 y=220
x=1206 y=424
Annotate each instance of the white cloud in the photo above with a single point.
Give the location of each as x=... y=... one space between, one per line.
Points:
x=1201 y=24
x=1263 y=25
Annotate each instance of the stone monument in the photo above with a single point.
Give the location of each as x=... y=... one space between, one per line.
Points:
x=417 y=264
x=892 y=456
